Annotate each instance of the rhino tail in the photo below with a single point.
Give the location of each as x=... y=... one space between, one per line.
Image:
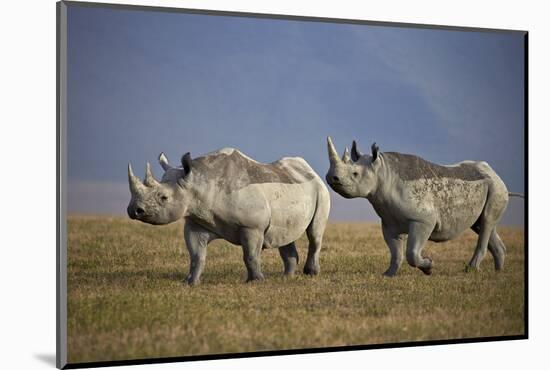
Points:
x=512 y=194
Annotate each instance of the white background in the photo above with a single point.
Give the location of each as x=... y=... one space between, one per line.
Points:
x=27 y=206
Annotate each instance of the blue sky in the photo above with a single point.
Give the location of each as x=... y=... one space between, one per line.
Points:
x=144 y=82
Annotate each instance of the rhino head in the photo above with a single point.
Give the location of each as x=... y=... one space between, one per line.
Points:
x=160 y=202
x=353 y=176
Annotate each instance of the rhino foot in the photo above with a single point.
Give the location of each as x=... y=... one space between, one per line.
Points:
x=191 y=281
x=427 y=270
x=390 y=273
x=311 y=270
x=256 y=277
x=470 y=268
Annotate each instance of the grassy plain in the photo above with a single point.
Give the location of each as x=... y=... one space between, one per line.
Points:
x=126 y=299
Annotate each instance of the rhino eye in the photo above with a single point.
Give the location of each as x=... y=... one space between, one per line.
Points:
x=355 y=174
x=163 y=198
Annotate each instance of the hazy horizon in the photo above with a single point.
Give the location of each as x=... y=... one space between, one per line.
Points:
x=142 y=82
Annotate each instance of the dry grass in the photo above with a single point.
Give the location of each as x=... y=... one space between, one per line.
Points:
x=126 y=299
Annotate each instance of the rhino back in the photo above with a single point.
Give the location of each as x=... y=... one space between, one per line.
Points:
x=410 y=167
x=231 y=170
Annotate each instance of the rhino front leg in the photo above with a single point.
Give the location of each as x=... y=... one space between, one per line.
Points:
x=395 y=244
x=289 y=255
x=419 y=232
x=196 y=240
x=252 y=241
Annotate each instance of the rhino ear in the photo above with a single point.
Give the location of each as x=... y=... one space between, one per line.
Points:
x=355 y=153
x=186 y=162
x=164 y=162
x=375 y=150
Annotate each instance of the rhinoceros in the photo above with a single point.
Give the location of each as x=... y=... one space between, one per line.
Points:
x=419 y=201
x=227 y=195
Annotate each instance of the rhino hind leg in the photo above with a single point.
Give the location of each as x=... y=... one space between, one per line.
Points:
x=495 y=206
x=252 y=241
x=312 y=266
x=481 y=247
x=496 y=247
x=290 y=258
x=314 y=233
x=419 y=232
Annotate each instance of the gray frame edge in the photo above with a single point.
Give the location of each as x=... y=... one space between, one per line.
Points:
x=286 y=17
x=61 y=193
x=61 y=186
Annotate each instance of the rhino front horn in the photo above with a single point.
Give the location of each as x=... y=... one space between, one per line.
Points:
x=149 y=178
x=332 y=154
x=135 y=183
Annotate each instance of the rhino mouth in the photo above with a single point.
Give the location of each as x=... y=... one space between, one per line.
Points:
x=145 y=217
x=152 y=219
x=341 y=189
x=148 y=220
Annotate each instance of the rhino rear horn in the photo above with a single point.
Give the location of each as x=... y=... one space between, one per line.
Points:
x=345 y=157
x=150 y=180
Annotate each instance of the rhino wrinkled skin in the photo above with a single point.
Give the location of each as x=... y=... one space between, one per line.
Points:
x=419 y=201
x=226 y=195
